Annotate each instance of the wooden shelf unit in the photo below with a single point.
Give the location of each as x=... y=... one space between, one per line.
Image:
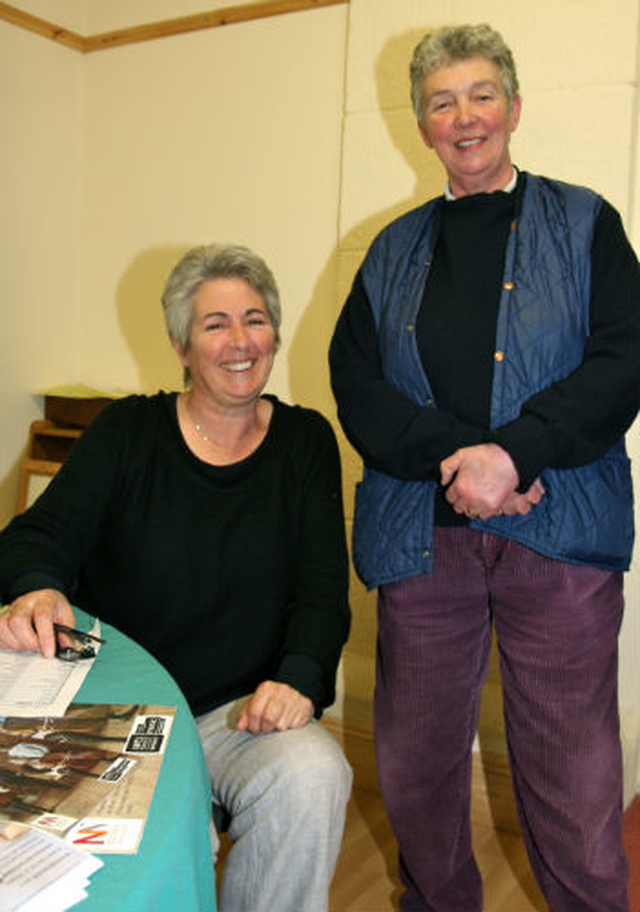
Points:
x=49 y=445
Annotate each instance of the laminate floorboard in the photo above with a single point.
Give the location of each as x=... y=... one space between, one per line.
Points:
x=366 y=879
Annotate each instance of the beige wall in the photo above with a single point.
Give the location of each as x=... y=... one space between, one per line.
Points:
x=230 y=134
x=70 y=14
x=41 y=176
x=114 y=163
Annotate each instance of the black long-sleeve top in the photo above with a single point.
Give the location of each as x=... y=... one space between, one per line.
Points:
x=569 y=424
x=229 y=575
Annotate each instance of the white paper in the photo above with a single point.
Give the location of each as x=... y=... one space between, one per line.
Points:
x=31 y=685
x=40 y=872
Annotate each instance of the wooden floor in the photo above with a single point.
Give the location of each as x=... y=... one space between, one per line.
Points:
x=366 y=880
x=366 y=874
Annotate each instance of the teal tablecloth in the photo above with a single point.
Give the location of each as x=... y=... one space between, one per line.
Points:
x=172 y=870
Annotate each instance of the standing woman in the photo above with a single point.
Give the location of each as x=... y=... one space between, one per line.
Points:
x=485 y=367
x=208 y=525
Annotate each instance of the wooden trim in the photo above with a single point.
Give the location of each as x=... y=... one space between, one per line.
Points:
x=492 y=800
x=230 y=15
x=31 y=23
x=41 y=466
x=51 y=429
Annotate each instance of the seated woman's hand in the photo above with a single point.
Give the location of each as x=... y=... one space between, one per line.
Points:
x=28 y=622
x=274 y=707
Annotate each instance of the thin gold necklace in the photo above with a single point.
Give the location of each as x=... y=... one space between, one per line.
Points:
x=198 y=427
x=201 y=432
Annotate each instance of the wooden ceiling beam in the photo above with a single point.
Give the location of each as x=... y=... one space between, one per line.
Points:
x=31 y=23
x=229 y=15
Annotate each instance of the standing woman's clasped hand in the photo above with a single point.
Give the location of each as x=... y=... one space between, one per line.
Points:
x=28 y=622
x=481 y=482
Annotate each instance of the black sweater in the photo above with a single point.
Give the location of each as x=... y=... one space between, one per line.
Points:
x=228 y=575
x=567 y=425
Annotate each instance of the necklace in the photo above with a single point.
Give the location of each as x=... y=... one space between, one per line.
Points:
x=245 y=445
x=199 y=430
x=198 y=427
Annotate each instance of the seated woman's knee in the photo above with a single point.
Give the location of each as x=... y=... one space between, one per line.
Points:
x=313 y=763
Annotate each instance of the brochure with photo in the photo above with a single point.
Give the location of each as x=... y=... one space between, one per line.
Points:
x=87 y=776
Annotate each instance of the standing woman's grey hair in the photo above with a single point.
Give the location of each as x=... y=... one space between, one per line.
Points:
x=215 y=261
x=451 y=43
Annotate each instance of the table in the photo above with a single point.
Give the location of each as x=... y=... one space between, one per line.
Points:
x=172 y=870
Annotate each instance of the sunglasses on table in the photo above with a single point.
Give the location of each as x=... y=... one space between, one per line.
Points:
x=80 y=647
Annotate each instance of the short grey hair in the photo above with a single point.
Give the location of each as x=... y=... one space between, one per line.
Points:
x=451 y=43
x=215 y=261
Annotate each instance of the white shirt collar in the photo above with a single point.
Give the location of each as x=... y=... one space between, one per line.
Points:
x=508 y=189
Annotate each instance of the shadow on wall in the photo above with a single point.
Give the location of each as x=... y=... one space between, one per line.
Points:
x=309 y=376
x=141 y=319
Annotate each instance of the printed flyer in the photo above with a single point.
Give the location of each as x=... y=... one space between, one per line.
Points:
x=88 y=776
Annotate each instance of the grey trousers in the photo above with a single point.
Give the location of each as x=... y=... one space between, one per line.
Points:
x=286 y=795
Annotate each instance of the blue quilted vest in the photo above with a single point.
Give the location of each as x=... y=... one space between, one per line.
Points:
x=586 y=515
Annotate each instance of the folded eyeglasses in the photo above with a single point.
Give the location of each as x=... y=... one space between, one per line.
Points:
x=81 y=648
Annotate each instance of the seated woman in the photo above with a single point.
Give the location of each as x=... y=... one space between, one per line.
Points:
x=208 y=525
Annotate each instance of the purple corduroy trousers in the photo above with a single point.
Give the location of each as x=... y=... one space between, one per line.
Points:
x=557 y=630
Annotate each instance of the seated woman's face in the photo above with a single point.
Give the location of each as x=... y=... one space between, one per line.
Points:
x=232 y=342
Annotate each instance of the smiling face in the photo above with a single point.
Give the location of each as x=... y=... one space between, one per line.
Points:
x=468 y=122
x=232 y=343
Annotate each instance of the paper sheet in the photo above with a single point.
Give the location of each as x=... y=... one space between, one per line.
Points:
x=39 y=873
x=31 y=685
